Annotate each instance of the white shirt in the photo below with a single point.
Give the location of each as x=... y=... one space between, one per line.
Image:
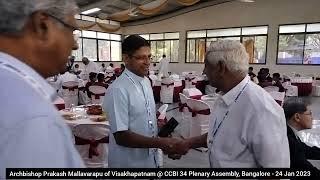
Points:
x=253 y=134
x=90 y=67
x=66 y=77
x=164 y=68
x=130 y=105
x=32 y=132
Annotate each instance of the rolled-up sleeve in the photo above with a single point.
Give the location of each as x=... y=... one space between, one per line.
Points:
x=270 y=145
x=116 y=105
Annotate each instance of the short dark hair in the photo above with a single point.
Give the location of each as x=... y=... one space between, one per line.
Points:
x=111 y=64
x=76 y=65
x=132 y=43
x=250 y=68
x=92 y=75
x=276 y=75
x=100 y=76
x=164 y=56
x=293 y=106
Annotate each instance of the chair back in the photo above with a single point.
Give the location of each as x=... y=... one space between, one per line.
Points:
x=278 y=96
x=193 y=93
x=98 y=92
x=200 y=113
x=91 y=141
x=166 y=92
x=70 y=92
x=271 y=88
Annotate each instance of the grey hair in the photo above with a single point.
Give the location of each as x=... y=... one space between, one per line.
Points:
x=14 y=13
x=232 y=53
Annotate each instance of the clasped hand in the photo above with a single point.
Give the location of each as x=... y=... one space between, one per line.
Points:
x=175 y=147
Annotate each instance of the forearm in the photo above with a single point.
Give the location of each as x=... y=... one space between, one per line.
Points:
x=198 y=141
x=134 y=140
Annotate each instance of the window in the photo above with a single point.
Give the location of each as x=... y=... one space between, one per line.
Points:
x=104 y=50
x=98 y=46
x=90 y=49
x=299 y=44
x=253 y=38
x=163 y=43
x=115 y=51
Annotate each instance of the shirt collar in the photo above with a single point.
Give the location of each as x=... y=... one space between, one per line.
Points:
x=230 y=96
x=295 y=131
x=135 y=77
x=27 y=70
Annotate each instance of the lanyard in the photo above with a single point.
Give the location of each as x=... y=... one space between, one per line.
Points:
x=31 y=81
x=214 y=132
x=147 y=104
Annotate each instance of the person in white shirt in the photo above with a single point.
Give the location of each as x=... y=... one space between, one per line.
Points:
x=103 y=68
x=131 y=111
x=110 y=67
x=36 y=39
x=247 y=127
x=163 y=67
x=66 y=77
x=89 y=66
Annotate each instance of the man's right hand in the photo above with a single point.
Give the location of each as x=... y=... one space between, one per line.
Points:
x=174 y=146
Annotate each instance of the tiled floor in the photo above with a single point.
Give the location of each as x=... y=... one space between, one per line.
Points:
x=198 y=159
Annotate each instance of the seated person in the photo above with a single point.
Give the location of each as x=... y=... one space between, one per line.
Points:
x=276 y=81
x=299 y=117
x=101 y=82
x=92 y=80
x=76 y=70
x=250 y=73
x=263 y=81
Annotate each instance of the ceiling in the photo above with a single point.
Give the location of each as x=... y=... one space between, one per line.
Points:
x=109 y=7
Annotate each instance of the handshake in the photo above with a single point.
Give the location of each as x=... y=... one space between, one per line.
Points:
x=174 y=147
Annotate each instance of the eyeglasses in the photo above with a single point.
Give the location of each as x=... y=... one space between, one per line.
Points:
x=71 y=27
x=310 y=113
x=142 y=57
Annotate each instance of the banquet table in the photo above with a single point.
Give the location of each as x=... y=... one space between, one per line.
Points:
x=81 y=117
x=304 y=85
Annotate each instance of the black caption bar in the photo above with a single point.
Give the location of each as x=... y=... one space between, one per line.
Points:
x=163 y=173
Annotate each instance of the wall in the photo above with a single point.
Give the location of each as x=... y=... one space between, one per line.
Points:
x=236 y=14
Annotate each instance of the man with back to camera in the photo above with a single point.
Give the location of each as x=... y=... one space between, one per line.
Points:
x=36 y=39
x=131 y=111
x=247 y=127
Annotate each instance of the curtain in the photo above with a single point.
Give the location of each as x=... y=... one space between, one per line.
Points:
x=153 y=7
x=187 y=2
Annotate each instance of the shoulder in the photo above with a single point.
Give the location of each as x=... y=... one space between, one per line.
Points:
x=261 y=102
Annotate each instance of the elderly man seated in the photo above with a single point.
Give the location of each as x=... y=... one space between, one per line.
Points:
x=299 y=117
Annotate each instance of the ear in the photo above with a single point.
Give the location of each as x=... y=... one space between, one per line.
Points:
x=40 y=25
x=125 y=58
x=297 y=117
x=221 y=68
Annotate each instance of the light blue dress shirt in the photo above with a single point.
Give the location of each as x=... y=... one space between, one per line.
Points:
x=130 y=105
x=32 y=132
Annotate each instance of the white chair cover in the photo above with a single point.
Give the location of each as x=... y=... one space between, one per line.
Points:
x=316 y=88
x=291 y=90
x=184 y=125
x=192 y=92
x=200 y=117
x=162 y=111
x=278 y=96
x=153 y=78
x=91 y=132
x=166 y=92
x=98 y=92
x=70 y=93
x=271 y=88
x=174 y=76
x=190 y=81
